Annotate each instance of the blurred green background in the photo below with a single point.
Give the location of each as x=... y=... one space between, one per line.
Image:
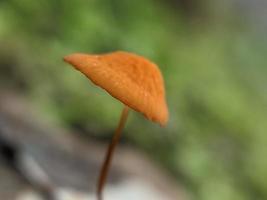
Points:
x=213 y=58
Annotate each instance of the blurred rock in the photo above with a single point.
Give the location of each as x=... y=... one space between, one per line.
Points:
x=41 y=161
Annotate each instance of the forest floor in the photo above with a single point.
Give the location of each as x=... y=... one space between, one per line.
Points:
x=40 y=160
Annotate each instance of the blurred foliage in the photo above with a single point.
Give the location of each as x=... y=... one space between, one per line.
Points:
x=215 y=74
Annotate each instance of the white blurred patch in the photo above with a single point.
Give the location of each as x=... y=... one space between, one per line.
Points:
x=128 y=190
x=133 y=190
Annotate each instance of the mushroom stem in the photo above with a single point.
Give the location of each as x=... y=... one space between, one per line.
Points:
x=109 y=153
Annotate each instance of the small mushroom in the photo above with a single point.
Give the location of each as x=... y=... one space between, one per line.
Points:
x=133 y=80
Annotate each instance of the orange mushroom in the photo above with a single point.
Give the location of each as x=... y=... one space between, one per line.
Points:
x=133 y=80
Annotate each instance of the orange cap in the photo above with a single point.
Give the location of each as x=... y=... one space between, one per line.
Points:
x=132 y=79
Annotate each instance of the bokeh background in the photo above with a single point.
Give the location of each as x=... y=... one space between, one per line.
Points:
x=212 y=55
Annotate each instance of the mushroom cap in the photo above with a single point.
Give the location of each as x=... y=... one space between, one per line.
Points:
x=132 y=79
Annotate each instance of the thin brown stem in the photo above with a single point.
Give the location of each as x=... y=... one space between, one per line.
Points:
x=109 y=153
